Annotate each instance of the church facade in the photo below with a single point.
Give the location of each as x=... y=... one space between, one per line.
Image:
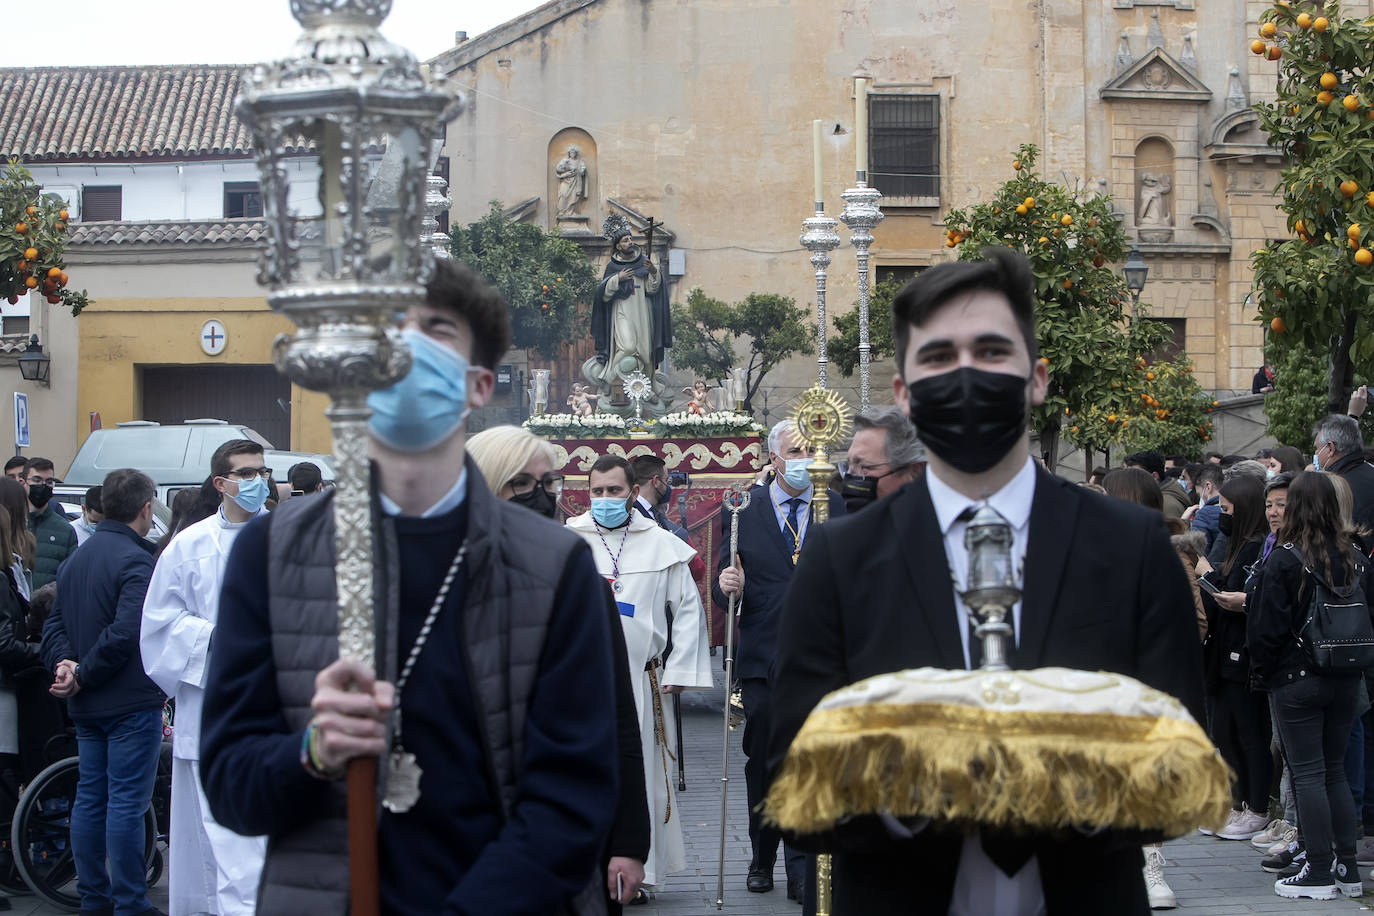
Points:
x=698 y=113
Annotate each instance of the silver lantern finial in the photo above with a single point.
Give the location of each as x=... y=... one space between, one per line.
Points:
x=992 y=588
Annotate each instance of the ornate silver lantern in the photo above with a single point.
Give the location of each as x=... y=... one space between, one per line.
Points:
x=992 y=589
x=343 y=134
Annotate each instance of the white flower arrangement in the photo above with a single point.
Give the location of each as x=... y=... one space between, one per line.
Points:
x=717 y=423
x=566 y=425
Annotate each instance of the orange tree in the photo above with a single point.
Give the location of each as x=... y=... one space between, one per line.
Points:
x=1314 y=290
x=33 y=236
x=1103 y=392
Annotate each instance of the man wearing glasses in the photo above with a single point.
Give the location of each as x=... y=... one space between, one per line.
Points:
x=213 y=870
x=54 y=539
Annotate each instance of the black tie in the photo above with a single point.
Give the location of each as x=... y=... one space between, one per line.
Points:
x=790 y=532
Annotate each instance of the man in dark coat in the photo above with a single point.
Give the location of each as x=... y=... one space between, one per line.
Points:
x=772 y=530
x=90 y=643
x=1338 y=447
x=876 y=592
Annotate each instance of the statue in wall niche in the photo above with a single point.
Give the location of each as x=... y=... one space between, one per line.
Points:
x=1154 y=204
x=571 y=173
x=631 y=323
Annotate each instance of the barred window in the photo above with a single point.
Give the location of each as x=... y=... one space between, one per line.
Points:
x=102 y=203
x=904 y=148
x=242 y=199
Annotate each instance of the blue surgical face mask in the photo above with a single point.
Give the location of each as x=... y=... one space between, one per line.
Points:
x=428 y=405
x=795 y=474
x=251 y=495
x=609 y=511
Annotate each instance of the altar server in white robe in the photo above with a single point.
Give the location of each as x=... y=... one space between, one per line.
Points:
x=212 y=869
x=647 y=568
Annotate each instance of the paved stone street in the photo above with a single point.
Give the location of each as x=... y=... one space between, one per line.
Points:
x=1209 y=876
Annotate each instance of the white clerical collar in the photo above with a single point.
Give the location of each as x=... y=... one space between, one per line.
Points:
x=781 y=496
x=1012 y=501
x=446 y=504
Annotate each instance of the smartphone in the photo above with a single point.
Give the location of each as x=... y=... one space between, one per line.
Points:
x=1206 y=585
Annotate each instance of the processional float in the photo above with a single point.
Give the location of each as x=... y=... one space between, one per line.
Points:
x=1011 y=750
x=354 y=115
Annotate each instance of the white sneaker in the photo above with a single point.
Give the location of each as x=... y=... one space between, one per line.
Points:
x=1245 y=825
x=1270 y=834
x=1160 y=894
x=1230 y=819
x=1285 y=838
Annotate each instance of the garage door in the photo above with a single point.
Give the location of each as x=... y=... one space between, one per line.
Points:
x=256 y=396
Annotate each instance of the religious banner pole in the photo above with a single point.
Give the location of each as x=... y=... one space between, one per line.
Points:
x=861 y=214
x=343 y=257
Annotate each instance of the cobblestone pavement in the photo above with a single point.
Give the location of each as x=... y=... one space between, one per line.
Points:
x=1210 y=876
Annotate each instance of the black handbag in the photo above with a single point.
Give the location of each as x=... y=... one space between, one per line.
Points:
x=1336 y=632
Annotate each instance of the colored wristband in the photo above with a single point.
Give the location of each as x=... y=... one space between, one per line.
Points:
x=310 y=760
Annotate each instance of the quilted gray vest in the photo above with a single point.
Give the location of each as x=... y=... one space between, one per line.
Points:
x=509 y=598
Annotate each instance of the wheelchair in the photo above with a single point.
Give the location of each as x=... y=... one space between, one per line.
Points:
x=36 y=854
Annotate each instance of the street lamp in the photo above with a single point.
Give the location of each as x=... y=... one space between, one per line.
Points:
x=1135 y=271
x=34 y=363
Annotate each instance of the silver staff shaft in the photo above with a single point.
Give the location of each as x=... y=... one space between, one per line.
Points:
x=743 y=500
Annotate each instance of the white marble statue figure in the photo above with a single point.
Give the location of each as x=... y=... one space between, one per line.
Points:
x=1154 y=205
x=571 y=173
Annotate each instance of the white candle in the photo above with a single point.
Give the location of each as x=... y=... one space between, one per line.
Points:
x=861 y=125
x=816 y=159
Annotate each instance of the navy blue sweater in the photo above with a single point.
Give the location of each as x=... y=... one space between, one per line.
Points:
x=452 y=853
x=95 y=621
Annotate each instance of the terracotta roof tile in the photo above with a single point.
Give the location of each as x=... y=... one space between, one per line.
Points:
x=121 y=113
x=168 y=232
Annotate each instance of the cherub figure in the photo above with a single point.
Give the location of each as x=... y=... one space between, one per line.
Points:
x=580 y=400
x=701 y=398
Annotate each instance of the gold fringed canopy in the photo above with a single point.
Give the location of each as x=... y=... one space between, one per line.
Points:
x=1023 y=750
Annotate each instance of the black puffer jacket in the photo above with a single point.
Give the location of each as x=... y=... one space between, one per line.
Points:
x=17 y=654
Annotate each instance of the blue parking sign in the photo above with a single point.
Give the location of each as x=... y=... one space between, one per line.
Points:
x=21 y=420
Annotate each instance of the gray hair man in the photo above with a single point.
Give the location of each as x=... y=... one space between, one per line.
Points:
x=1337 y=447
x=884 y=455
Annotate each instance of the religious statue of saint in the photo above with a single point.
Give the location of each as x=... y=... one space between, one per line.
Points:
x=631 y=323
x=571 y=173
x=1154 y=209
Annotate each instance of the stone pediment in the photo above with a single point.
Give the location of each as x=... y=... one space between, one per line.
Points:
x=1157 y=77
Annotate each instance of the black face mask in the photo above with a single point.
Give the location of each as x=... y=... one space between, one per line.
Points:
x=1224 y=523
x=537 y=499
x=968 y=417
x=39 y=494
x=858 y=492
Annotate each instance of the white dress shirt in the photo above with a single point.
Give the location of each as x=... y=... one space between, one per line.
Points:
x=447 y=503
x=779 y=496
x=980 y=887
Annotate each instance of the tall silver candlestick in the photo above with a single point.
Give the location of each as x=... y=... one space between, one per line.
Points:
x=861 y=214
x=437 y=202
x=819 y=238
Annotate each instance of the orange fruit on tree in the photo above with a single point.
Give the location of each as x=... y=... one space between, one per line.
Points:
x=1111 y=418
x=1369 y=198
x=1068 y=284
x=1029 y=202
x=1066 y=220
x=1300 y=228
x=54 y=272
x=1149 y=376
x=61 y=214
x=21 y=228
x=1349 y=188
x=1044 y=239
x=1276 y=325
x=1021 y=210
x=62 y=279
x=30 y=253
x=1329 y=80
x=950 y=243
x=30 y=210
x=1258 y=46
x=21 y=265
x=1304 y=21
x=1045 y=361
x=1351 y=102
x=1269 y=30
x=1364 y=257
x=1353 y=231
x=1324 y=98
x=59 y=225
x=1319 y=24
x=1016 y=165
x=1274 y=53
x=30 y=282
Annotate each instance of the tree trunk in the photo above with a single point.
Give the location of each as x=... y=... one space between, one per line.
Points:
x=1342 y=378
x=1049 y=446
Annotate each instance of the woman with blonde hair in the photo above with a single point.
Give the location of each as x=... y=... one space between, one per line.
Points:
x=517 y=465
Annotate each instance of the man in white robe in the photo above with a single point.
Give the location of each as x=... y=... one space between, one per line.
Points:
x=648 y=571
x=211 y=869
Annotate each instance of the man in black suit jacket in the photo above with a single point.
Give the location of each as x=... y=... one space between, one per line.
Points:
x=772 y=530
x=875 y=593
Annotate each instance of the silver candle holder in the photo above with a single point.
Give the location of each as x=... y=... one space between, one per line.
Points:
x=437 y=202
x=992 y=589
x=861 y=214
x=819 y=238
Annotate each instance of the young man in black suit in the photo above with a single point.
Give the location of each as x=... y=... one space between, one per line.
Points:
x=772 y=530
x=876 y=593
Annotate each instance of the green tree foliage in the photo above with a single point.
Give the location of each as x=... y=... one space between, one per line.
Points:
x=705 y=330
x=1299 y=398
x=33 y=236
x=545 y=278
x=1095 y=354
x=842 y=350
x=1314 y=290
